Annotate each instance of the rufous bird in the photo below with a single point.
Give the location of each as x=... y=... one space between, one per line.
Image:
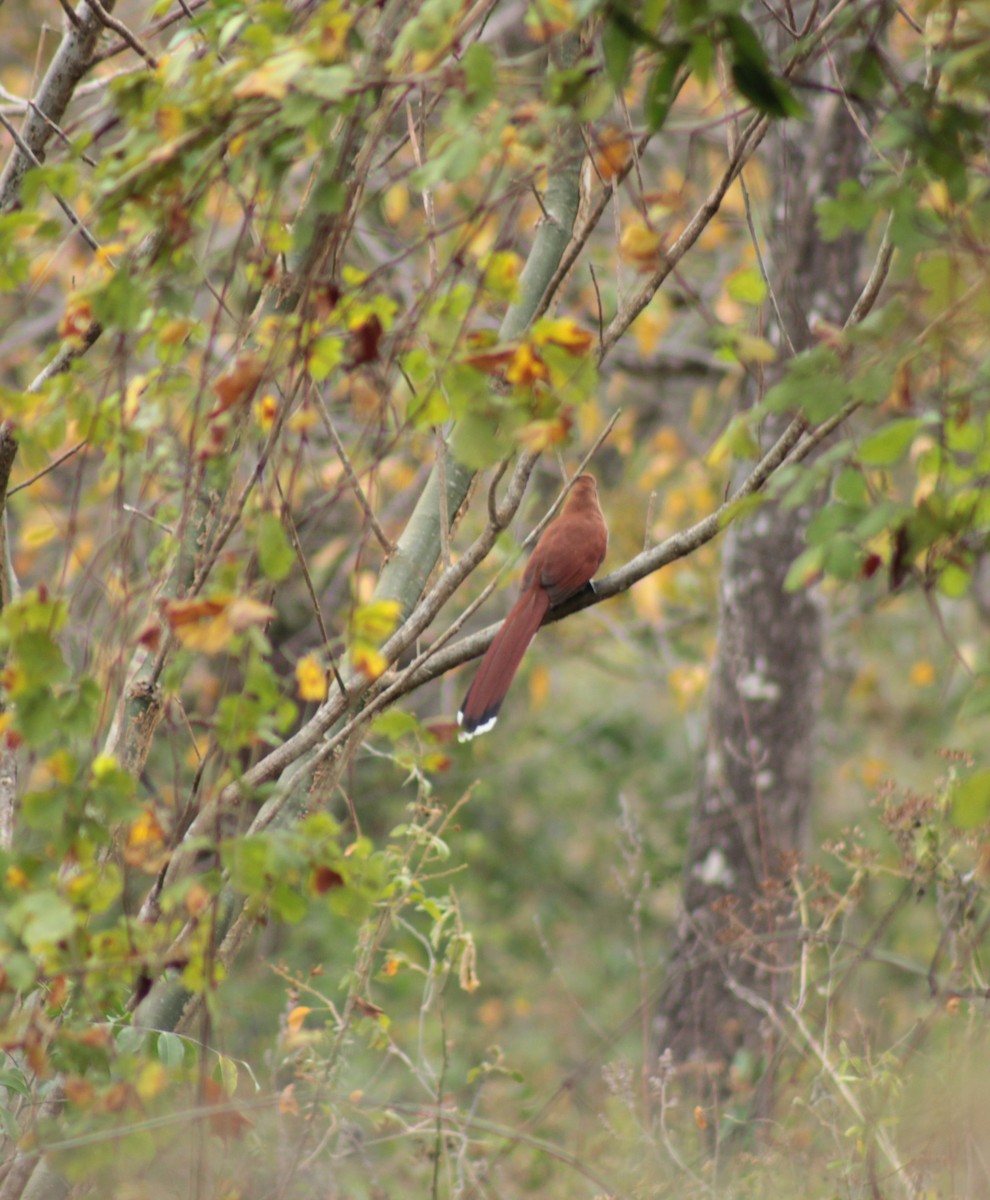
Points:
x=569 y=551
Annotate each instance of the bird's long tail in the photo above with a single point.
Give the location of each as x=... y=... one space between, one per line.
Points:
x=479 y=711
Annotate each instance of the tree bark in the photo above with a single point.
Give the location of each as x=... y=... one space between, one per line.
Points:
x=735 y=943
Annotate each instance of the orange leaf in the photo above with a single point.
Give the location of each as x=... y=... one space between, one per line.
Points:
x=541 y=435
x=76 y=319
x=614 y=150
x=188 y=612
x=238 y=384
x=226 y=1122
x=491 y=361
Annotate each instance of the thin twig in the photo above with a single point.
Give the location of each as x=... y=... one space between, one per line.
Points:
x=119 y=28
x=57 y=462
x=63 y=204
x=351 y=476
x=308 y=580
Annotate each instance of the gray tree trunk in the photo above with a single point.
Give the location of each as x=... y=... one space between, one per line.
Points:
x=734 y=946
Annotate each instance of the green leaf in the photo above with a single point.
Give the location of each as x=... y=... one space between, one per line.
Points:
x=843 y=558
x=765 y=91
x=889 y=444
x=328 y=83
x=852 y=207
x=13 y=1080
x=287 y=903
x=618 y=47
x=41 y=656
x=171 y=1050
x=813 y=385
x=275 y=554
x=829 y=521
x=481 y=76
x=752 y=74
x=954 y=581
x=325 y=355
x=805 y=569
x=661 y=90
x=394 y=724
x=122 y=301
x=970 y=805
x=41 y=920
x=850 y=488
x=747 y=286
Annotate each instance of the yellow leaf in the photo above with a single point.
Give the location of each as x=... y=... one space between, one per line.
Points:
x=15 y=878
x=641 y=246
x=297 y=1016
x=563 y=332
x=209 y=625
x=311 y=679
x=369 y=661
x=175 y=332
x=145 y=841
x=688 y=683
x=526 y=367
x=333 y=37
x=483 y=237
x=169 y=121
x=62 y=766
x=502 y=274
x=151 y=1081
x=103 y=766
x=922 y=673
x=873 y=771
x=273 y=79
x=395 y=203
x=754 y=349
x=646 y=599
x=244 y=612
x=375 y=621
x=649 y=327
x=265 y=411
x=76 y=319
x=467 y=975
x=539 y=686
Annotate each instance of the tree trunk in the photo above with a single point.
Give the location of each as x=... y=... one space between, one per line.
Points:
x=734 y=946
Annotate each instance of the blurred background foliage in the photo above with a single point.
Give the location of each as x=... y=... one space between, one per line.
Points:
x=263 y=269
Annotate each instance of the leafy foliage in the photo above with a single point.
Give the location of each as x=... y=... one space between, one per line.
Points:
x=259 y=278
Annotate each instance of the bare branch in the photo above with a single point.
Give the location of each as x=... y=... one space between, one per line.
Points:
x=72 y=60
x=123 y=32
x=351 y=475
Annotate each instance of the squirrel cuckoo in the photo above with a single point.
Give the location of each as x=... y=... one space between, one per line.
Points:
x=569 y=551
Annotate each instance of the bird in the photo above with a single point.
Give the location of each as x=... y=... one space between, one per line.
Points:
x=568 y=553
